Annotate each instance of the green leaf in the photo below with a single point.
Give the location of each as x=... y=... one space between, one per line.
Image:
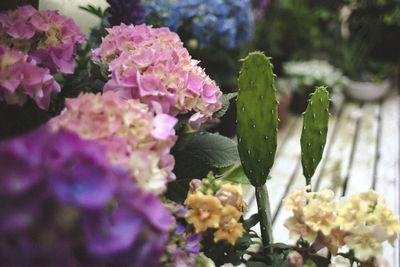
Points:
x=94 y=11
x=213 y=149
x=236 y=176
x=255 y=264
x=225 y=104
x=250 y=222
x=100 y=71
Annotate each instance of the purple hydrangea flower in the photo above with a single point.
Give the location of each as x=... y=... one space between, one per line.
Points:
x=125 y=11
x=62 y=203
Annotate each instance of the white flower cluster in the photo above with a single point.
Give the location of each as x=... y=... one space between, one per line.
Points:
x=308 y=74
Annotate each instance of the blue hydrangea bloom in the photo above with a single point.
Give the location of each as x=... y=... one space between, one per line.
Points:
x=226 y=23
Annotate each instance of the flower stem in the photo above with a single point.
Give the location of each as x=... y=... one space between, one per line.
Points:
x=264 y=213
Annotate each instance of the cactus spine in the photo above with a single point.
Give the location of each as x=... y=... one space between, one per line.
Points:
x=315 y=129
x=257 y=126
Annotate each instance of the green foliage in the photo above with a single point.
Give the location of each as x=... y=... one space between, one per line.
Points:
x=98 y=12
x=257 y=117
x=315 y=129
x=236 y=175
x=202 y=153
x=213 y=149
x=225 y=98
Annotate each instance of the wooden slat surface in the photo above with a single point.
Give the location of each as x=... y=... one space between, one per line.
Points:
x=362 y=152
x=387 y=170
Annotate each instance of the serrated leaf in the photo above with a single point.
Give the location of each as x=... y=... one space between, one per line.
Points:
x=213 y=149
x=225 y=104
x=236 y=176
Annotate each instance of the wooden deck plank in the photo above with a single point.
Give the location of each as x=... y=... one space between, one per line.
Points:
x=281 y=234
x=361 y=171
x=387 y=172
x=336 y=167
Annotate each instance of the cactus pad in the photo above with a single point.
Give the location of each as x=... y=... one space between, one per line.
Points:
x=315 y=129
x=257 y=117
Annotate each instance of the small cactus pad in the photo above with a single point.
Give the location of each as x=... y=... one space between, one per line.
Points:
x=257 y=117
x=315 y=129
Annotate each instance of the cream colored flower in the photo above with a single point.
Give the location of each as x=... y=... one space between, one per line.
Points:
x=351 y=212
x=335 y=240
x=297 y=228
x=319 y=214
x=296 y=201
x=384 y=217
x=366 y=241
x=204 y=212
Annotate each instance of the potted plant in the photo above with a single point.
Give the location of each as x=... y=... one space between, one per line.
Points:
x=284 y=94
x=368 y=55
x=306 y=75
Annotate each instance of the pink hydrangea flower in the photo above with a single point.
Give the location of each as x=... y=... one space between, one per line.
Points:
x=152 y=65
x=50 y=38
x=20 y=78
x=132 y=134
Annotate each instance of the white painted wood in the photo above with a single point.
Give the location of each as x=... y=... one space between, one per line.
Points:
x=337 y=163
x=362 y=169
x=387 y=182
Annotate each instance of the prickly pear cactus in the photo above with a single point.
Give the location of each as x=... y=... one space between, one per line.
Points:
x=257 y=117
x=315 y=129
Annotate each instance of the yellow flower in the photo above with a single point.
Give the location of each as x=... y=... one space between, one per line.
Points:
x=320 y=215
x=366 y=241
x=205 y=211
x=232 y=195
x=229 y=228
x=297 y=228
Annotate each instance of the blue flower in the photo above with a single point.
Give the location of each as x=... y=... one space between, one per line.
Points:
x=226 y=23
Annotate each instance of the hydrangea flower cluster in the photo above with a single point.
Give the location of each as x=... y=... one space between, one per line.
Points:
x=362 y=222
x=62 y=203
x=20 y=77
x=50 y=38
x=133 y=136
x=152 y=65
x=125 y=11
x=227 y=23
x=212 y=205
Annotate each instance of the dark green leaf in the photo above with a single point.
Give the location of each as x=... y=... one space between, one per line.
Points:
x=213 y=149
x=225 y=104
x=255 y=264
x=320 y=261
x=250 y=222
